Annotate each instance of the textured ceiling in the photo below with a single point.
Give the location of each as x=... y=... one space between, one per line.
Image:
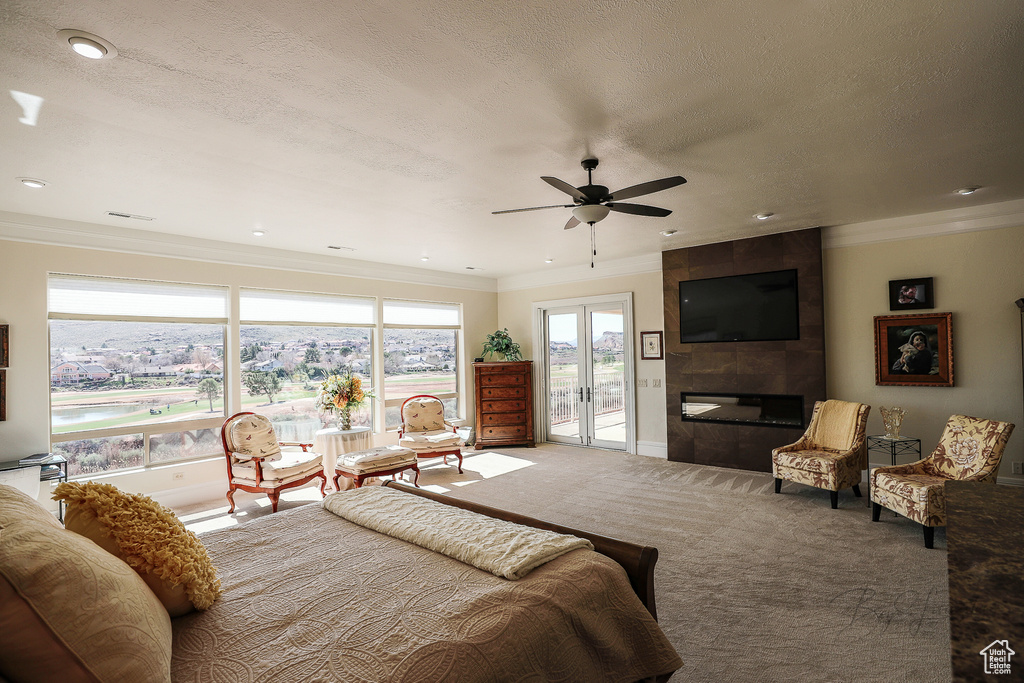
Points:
x=395 y=128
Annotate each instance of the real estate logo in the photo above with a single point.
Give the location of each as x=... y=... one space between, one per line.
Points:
x=997 y=657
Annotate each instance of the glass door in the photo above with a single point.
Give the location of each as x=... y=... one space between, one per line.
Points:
x=606 y=377
x=562 y=371
x=585 y=375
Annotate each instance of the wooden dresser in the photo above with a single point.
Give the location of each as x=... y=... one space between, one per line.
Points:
x=504 y=404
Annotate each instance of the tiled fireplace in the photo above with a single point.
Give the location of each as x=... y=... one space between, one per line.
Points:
x=763 y=370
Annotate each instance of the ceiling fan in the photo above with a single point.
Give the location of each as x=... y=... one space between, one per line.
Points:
x=591 y=203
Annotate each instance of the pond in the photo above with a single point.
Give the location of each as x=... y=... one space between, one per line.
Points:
x=69 y=416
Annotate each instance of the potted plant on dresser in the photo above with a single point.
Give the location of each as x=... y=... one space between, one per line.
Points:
x=504 y=394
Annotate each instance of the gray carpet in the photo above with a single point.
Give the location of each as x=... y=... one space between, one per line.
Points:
x=751 y=586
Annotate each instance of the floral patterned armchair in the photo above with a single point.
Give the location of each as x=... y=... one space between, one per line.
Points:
x=831 y=454
x=970 y=450
x=425 y=431
x=257 y=463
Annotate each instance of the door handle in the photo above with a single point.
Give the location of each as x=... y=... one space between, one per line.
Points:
x=588 y=394
x=581 y=394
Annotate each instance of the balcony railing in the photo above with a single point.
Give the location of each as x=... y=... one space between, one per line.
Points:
x=563 y=398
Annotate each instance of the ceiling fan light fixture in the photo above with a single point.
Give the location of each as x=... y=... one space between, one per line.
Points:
x=590 y=213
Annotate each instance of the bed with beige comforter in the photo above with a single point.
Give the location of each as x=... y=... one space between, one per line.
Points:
x=311 y=596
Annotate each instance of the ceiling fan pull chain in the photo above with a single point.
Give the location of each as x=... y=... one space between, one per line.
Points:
x=593 y=246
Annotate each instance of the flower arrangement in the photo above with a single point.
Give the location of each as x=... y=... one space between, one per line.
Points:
x=339 y=395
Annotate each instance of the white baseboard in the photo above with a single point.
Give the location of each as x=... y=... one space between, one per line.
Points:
x=184 y=496
x=652 y=449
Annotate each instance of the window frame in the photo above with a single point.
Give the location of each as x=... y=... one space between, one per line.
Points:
x=146 y=429
x=458 y=328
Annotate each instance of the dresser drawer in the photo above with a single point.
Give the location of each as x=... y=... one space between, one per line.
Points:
x=503 y=406
x=502 y=392
x=503 y=432
x=502 y=380
x=504 y=418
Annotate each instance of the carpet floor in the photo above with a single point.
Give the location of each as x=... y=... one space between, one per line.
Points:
x=751 y=585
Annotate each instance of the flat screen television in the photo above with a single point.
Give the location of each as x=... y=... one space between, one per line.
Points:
x=754 y=307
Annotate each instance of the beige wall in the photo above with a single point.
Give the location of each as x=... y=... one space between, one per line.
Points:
x=978 y=276
x=23 y=272
x=515 y=310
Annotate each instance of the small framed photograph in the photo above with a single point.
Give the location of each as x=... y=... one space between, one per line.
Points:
x=914 y=350
x=911 y=293
x=5 y=346
x=651 y=347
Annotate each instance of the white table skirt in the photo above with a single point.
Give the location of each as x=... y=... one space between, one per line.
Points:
x=333 y=442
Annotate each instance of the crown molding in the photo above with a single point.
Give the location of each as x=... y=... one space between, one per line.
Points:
x=968 y=219
x=64 y=233
x=633 y=265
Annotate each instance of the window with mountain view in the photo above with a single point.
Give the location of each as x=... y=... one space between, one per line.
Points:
x=283 y=363
x=420 y=355
x=136 y=371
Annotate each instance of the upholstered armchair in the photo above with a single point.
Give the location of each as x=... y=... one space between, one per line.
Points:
x=831 y=454
x=425 y=431
x=257 y=463
x=969 y=450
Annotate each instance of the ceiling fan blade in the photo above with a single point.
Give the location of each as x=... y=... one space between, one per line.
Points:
x=647 y=188
x=564 y=187
x=537 y=208
x=639 y=209
x=571 y=223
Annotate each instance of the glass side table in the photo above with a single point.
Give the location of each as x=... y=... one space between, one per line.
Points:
x=899 y=446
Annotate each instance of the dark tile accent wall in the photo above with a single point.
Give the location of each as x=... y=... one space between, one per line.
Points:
x=783 y=367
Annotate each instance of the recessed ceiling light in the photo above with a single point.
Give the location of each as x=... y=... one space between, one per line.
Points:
x=333 y=246
x=87 y=44
x=549 y=260
x=970 y=189
x=424 y=258
x=258 y=233
x=34 y=183
x=472 y=268
x=763 y=216
x=668 y=233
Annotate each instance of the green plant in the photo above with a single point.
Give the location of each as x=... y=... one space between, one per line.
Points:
x=500 y=341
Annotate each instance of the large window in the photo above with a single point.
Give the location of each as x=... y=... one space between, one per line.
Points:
x=283 y=361
x=421 y=348
x=136 y=371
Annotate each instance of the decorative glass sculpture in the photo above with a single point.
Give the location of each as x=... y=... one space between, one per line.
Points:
x=892 y=418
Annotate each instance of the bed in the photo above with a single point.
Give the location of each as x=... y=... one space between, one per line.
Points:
x=310 y=596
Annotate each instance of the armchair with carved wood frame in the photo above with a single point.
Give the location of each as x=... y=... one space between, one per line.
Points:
x=425 y=431
x=257 y=464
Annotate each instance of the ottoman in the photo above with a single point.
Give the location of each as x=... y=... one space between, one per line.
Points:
x=375 y=462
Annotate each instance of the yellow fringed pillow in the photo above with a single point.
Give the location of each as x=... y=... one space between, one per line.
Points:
x=148 y=537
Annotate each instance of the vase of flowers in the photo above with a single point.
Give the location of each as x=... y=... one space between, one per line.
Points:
x=339 y=395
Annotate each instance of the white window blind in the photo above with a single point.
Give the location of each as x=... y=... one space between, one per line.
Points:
x=259 y=305
x=420 y=313
x=85 y=295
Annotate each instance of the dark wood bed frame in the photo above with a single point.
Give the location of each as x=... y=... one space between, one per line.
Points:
x=637 y=560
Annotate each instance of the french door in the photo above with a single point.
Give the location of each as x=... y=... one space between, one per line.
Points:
x=587 y=373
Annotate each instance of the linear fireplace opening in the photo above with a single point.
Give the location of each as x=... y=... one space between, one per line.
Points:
x=767 y=410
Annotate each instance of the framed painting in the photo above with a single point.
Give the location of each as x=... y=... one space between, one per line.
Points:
x=3 y=395
x=651 y=346
x=911 y=293
x=914 y=350
x=5 y=345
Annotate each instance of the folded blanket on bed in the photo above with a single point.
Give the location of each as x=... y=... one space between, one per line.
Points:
x=503 y=548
